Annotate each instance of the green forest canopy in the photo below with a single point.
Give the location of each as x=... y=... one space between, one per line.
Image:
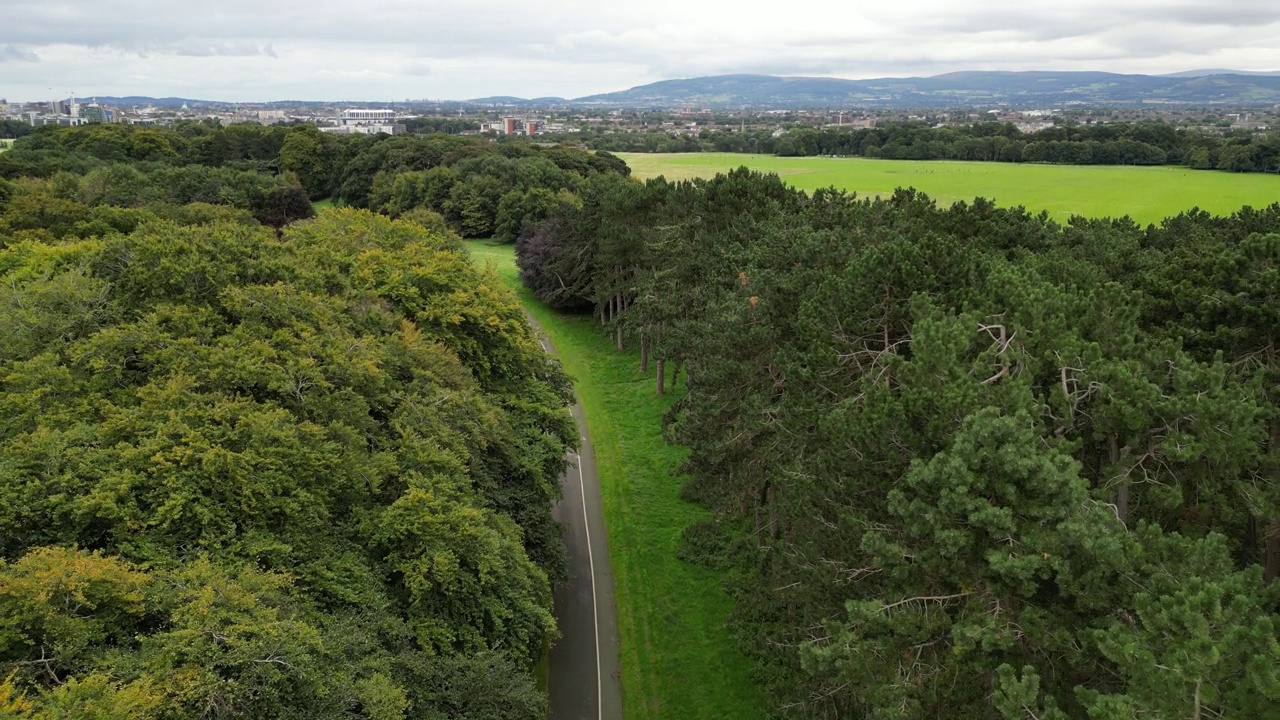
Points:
x=262 y=468
x=480 y=188
x=256 y=475
x=964 y=462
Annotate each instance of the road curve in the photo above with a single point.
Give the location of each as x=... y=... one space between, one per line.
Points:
x=584 y=678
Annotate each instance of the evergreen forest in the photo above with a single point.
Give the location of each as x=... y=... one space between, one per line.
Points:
x=964 y=462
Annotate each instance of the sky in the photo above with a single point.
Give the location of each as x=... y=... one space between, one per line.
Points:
x=394 y=50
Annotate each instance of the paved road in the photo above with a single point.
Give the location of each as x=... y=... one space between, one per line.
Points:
x=583 y=683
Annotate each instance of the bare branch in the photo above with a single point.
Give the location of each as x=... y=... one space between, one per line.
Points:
x=925 y=599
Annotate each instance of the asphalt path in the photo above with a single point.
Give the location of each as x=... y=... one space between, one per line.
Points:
x=584 y=679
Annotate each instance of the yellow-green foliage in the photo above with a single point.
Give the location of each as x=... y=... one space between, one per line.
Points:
x=13 y=703
x=67 y=601
x=312 y=472
x=98 y=697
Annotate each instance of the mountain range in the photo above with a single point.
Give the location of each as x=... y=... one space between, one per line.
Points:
x=959 y=89
x=967 y=89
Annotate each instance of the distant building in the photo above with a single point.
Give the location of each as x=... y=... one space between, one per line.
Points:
x=367 y=121
x=95 y=113
x=514 y=126
x=365 y=116
x=271 y=117
x=1032 y=127
x=67 y=112
x=367 y=129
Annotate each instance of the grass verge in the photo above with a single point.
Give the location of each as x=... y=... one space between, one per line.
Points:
x=678 y=659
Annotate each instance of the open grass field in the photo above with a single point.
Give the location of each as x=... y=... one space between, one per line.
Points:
x=678 y=659
x=322 y=204
x=1146 y=194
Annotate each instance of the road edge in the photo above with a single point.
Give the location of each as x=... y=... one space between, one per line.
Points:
x=608 y=671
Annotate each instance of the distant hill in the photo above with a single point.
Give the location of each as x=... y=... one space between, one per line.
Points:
x=1219 y=71
x=193 y=103
x=143 y=101
x=510 y=100
x=1018 y=89
x=958 y=89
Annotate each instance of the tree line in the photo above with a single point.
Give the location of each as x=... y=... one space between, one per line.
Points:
x=248 y=471
x=1118 y=143
x=480 y=188
x=14 y=128
x=965 y=461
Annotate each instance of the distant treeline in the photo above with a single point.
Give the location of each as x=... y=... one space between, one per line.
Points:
x=14 y=129
x=964 y=462
x=452 y=126
x=479 y=187
x=1120 y=143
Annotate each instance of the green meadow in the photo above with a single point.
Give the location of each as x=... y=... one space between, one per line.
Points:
x=677 y=657
x=1146 y=194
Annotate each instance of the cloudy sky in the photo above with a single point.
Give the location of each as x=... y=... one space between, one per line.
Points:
x=255 y=50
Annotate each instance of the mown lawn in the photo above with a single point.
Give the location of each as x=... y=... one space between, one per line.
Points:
x=678 y=660
x=1146 y=194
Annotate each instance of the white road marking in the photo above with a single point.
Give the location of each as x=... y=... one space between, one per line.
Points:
x=591 y=562
x=595 y=610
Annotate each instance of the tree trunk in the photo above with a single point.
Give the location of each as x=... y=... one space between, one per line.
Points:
x=1249 y=548
x=644 y=356
x=1122 y=502
x=1271 y=555
x=1271 y=568
x=661 y=376
x=773 y=512
x=1122 y=493
x=617 y=325
x=989 y=692
x=762 y=503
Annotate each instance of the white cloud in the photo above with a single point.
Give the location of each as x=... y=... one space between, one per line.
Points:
x=333 y=49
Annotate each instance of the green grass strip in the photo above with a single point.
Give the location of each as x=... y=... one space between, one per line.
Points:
x=678 y=659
